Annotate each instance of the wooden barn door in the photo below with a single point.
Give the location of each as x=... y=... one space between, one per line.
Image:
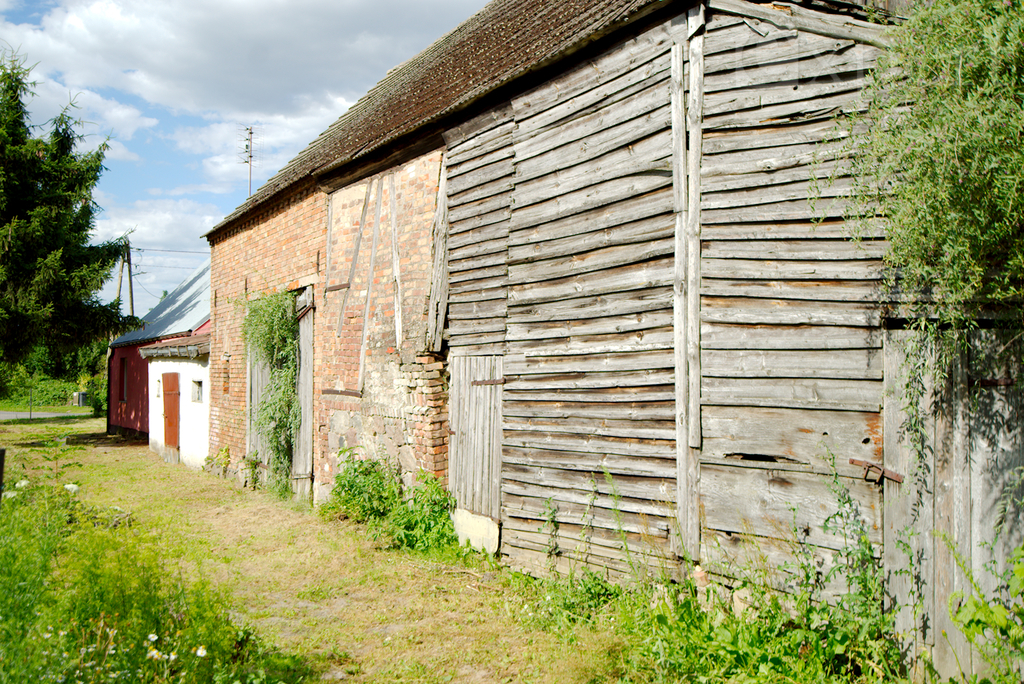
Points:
x=960 y=500
x=302 y=456
x=172 y=410
x=257 y=379
x=474 y=467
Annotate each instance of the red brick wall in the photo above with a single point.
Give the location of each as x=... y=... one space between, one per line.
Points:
x=281 y=248
x=400 y=413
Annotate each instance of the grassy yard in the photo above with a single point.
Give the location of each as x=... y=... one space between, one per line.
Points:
x=322 y=592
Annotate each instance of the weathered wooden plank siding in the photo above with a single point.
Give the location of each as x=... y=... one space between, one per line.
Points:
x=791 y=358
x=479 y=192
x=588 y=456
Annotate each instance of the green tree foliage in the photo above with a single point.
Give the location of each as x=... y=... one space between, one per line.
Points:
x=49 y=273
x=943 y=158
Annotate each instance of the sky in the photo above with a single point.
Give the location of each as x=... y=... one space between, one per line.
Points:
x=171 y=86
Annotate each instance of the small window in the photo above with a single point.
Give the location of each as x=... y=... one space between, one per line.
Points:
x=159 y=388
x=197 y=391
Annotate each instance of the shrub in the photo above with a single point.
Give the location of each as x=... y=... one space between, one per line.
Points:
x=368 y=491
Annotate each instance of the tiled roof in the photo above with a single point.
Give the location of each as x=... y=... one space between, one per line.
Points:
x=504 y=41
x=179 y=313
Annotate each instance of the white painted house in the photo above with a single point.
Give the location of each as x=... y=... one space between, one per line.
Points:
x=178 y=365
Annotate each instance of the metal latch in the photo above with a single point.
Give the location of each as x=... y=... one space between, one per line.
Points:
x=882 y=473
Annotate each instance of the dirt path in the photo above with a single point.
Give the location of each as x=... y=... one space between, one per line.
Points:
x=319 y=589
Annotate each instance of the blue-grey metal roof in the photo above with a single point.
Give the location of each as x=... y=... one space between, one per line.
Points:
x=179 y=313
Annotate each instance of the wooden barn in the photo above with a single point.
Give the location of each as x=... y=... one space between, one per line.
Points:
x=659 y=342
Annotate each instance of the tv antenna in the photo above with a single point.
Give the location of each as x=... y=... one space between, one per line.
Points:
x=252 y=144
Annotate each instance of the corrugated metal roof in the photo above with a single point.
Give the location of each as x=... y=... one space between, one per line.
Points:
x=502 y=42
x=179 y=313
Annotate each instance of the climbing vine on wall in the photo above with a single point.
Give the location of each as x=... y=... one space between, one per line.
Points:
x=270 y=330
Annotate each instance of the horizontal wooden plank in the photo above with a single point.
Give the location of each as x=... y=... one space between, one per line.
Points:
x=589 y=380
x=583 y=543
x=857 y=364
x=648 y=320
x=569 y=173
x=775 y=561
x=613 y=216
x=658 y=338
x=740 y=37
x=492 y=308
x=730 y=167
x=834 y=290
x=795 y=249
x=789 y=97
x=824 y=393
x=483 y=142
x=478 y=208
x=481 y=255
x=624 y=58
x=481 y=161
x=641 y=410
x=495 y=187
x=609 y=136
x=456 y=278
x=478 y=294
x=583 y=443
x=637 y=393
x=469 y=186
x=530 y=142
x=615 y=257
x=724 y=336
x=643 y=516
x=801 y=47
x=645 y=230
x=475 y=326
x=655 y=489
x=808 y=437
x=500 y=215
x=829 y=229
x=853 y=58
x=793 y=210
x=611 y=304
x=758 y=175
x=483 y=240
x=788 y=312
x=654 y=273
x=481 y=349
x=774 y=136
x=822 y=109
x=486 y=339
x=518 y=364
x=762 y=502
x=470 y=286
x=786 y=15
x=771 y=194
x=816 y=270
x=598 y=195
x=633 y=429
x=591 y=462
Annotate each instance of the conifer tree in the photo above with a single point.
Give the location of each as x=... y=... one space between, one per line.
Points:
x=49 y=272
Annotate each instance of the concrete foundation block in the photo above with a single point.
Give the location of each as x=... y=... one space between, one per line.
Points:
x=479 y=531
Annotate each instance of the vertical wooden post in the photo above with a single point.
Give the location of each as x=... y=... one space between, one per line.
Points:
x=395 y=269
x=686 y=128
x=355 y=253
x=3 y=458
x=439 y=273
x=369 y=287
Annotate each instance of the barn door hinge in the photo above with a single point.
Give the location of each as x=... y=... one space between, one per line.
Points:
x=498 y=381
x=880 y=472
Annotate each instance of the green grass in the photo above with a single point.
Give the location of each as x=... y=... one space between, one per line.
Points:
x=86 y=596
